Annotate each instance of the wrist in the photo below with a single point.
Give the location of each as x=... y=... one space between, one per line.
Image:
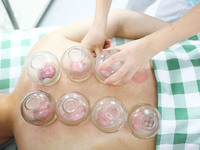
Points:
x=149 y=46
x=99 y=28
x=101 y=12
x=161 y=39
x=99 y=24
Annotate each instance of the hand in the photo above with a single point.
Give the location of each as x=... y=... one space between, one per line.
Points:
x=95 y=40
x=134 y=55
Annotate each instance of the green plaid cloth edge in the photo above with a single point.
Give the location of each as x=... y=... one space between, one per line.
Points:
x=177 y=71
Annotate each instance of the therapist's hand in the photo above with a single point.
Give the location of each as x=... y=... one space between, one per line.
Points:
x=134 y=55
x=95 y=40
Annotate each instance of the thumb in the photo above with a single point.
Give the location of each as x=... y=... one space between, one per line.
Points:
x=98 y=50
x=91 y=49
x=112 y=48
x=107 y=44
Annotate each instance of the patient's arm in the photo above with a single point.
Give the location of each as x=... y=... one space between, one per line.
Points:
x=121 y=23
x=5 y=124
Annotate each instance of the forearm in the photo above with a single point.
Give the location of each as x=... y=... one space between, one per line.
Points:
x=134 y=25
x=121 y=23
x=183 y=28
x=77 y=30
x=101 y=13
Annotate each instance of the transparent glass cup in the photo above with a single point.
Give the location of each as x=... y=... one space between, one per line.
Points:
x=43 y=68
x=73 y=109
x=103 y=74
x=77 y=63
x=38 y=108
x=144 y=121
x=109 y=114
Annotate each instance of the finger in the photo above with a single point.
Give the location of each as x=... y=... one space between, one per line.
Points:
x=118 y=75
x=113 y=48
x=88 y=48
x=108 y=41
x=98 y=50
x=91 y=50
x=108 y=62
x=107 y=44
x=93 y=53
x=125 y=79
x=128 y=76
x=119 y=82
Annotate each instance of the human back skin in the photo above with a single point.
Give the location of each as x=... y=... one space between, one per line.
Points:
x=85 y=136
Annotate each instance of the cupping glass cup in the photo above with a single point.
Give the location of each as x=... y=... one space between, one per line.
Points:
x=73 y=109
x=103 y=74
x=77 y=63
x=38 y=108
x=109 y=114
x=144 y=121
x=43 y=68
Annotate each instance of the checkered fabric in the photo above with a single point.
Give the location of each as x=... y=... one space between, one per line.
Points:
x=177 y=71
x=14 y=46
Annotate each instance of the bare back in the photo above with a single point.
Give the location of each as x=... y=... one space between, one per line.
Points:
x=86 y=136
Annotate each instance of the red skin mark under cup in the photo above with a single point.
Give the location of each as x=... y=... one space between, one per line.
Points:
x=48 y=71
x=44 y=112
x=140 y=77
x=78 y=67
x=78 y=114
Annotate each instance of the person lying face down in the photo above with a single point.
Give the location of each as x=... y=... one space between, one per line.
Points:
x=142 y=89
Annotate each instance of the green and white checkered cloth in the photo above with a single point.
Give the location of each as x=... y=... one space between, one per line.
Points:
x=14 y=46
x=177 y=71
